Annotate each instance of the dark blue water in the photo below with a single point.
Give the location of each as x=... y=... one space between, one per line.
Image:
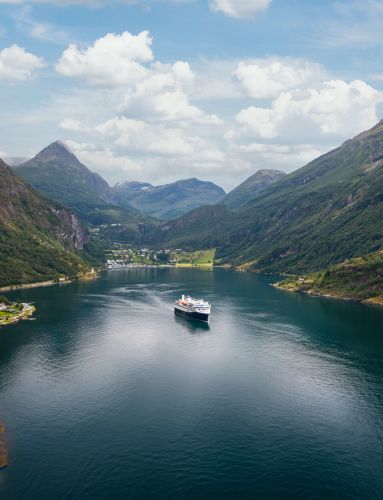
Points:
x=108 y=396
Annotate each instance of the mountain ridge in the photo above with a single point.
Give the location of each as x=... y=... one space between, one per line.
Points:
x=251 y=187
x=38 y=238
x=168 y=201
x=326 y=212
x=68 y=185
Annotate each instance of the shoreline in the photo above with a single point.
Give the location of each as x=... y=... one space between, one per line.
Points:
x=3 y=448
x=372 y=301
x=14 y=317
x=38 y=284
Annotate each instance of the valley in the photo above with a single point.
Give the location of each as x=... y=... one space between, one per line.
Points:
x=317 y=217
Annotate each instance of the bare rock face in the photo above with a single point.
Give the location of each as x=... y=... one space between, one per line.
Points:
x=71 y=233
x=21 y=203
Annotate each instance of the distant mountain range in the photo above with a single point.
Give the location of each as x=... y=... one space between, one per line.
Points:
x=58 y=174
x=39 y=239
x=326 y=212
x=170 y=200
x=322 y=214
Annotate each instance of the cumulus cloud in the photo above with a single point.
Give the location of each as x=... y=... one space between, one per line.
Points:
x=155 y=89
x=336 y=108
x=119 y=166
x=163 y=94
x=17 y=65
x=239 y=8
x=136 y=135
x=283 y=156
x=104 y=160
x=112 y=60
x=265 y=78
x=74 y=125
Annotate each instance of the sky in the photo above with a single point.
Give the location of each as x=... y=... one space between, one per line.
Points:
x=159 y=90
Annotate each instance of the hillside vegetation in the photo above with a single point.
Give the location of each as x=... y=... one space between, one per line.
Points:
x=170 y=200
x=322 y=214
x=39 y=239
x=251 y=187
x=57 y=173
x=359 y=279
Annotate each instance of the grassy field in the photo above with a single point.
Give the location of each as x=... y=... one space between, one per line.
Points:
x=14 y=313
x=199 y=258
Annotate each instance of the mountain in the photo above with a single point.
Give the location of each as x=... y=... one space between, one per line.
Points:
x=170 y=200
x=322 y=214
x=251 y=187
x=39 y=239
x=57 y=173
x=201 y=228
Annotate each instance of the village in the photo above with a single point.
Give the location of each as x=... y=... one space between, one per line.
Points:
x=11 y=312
x=126 y=256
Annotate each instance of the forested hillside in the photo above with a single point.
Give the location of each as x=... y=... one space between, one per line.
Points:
x=326 y=212
x=39 y=239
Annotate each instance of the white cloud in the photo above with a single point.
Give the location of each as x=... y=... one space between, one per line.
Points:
x=159 y=90
x=163 y=95
x=336 y=109
x=104 y=160
x=284 y=156
x=157 y=169
x=92 y=3
x=74 y=125
x=17 y=65
x=239 y=8
x=136 y=135
x=112 y=60
x=265 y=78
x=44 y=31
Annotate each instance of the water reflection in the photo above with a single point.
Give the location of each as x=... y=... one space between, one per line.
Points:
x=193 y=326
x=279 y=393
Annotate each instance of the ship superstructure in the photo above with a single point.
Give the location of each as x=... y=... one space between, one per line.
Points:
x=188 y=307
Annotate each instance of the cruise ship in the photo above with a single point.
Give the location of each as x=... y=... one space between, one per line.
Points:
x=190 y=308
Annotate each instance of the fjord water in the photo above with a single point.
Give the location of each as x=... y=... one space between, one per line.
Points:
x=107 y=395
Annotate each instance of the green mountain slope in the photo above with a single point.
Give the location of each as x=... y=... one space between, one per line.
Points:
x=38 y=238
x=59 y=175
x=251 y=187
x=168 y=201
x=360 y=279
x=201 y=228
x=324 y=213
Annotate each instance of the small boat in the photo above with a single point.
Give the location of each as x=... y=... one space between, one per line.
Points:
x=190 y=308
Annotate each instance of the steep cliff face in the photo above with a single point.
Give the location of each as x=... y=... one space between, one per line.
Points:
x=38 y=238
x=71 y=233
